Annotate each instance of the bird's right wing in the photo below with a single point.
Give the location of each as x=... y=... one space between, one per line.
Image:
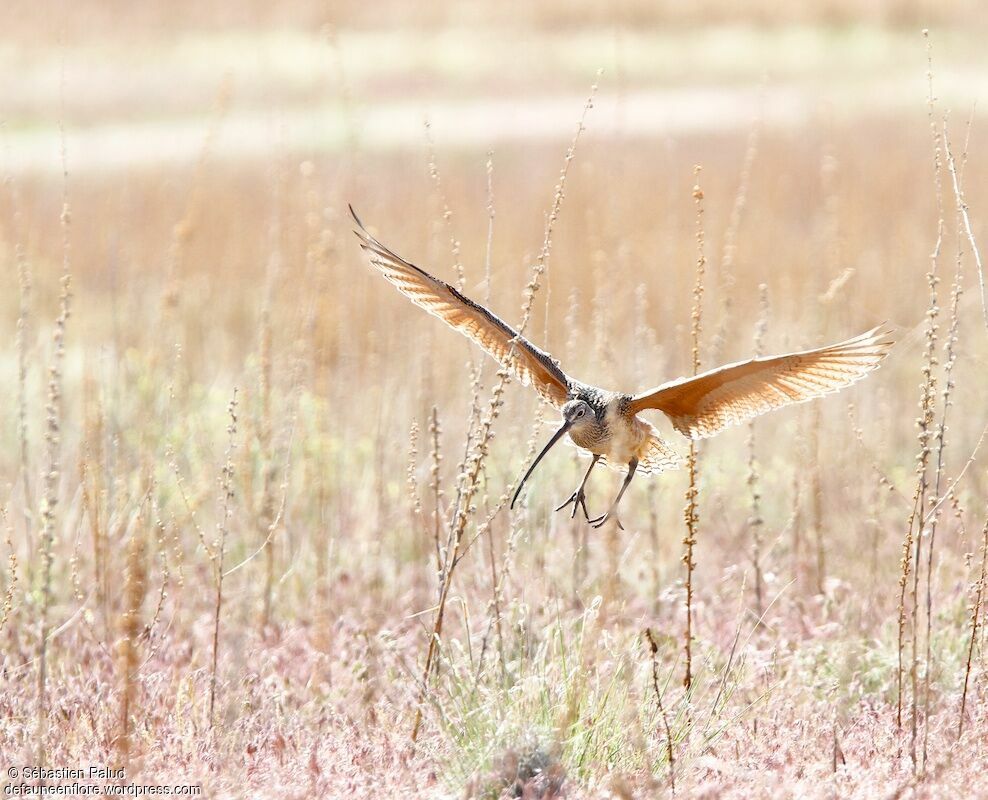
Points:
x=706 y=404
x=528 y=363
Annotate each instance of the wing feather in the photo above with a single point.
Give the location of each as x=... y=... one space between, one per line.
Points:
x=527 y=362
x=704 y=405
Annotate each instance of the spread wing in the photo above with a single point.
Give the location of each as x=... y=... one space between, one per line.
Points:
x=528 y=363
x=706 y=404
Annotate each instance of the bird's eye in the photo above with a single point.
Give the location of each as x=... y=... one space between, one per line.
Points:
x=581 y=411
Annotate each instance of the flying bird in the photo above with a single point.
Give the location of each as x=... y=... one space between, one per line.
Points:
x=606 y=423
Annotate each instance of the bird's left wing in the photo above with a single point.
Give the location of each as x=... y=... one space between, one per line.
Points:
x=528 y=363
x=704 y=405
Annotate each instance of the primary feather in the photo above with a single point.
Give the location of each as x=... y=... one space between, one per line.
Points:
x=528 y=363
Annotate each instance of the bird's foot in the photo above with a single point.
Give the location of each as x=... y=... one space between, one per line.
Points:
x=598 y=522
x=579 y=500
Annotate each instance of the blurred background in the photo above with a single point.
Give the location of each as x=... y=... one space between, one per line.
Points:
x=141 y=82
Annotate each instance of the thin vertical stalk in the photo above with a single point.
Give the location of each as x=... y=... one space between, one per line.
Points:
x=219 y=545
x=53 y=440
x=7 y=602
x=755 y=522
x=21 y=344
x=135 y=586
x=913 y=538
x=435 y=483
x=654 y=650
x=979 y=590
x=482 y=441
x=691 y=511
x=950 y=357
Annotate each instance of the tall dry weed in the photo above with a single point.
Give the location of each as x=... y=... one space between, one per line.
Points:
x=481 y=443
x=691 y=512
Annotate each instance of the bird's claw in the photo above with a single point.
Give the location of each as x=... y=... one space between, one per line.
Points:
x=579 y=500
x=598 y=522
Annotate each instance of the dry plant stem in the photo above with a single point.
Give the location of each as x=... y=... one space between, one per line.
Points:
x=75 y=580
x=578 y=531
x=93 y=501
x=755 y=523
x=488 y=272
x=950 y=358
x=477 y=366
x=454 y=244
x=926 y=421
x=219 y=546
x=280 y=513
x=654 y=649
x=483 y=438
x=473 y=425
x=447 y=213
x=936 y=502
x=497 y=598
x=7 y=604
x=275 y=515
x=691 y=512
x=831 y=207
x=495 y=602
x=135 y=584
x=435 y=483
x=507 y=562
x=497 y=581
x=925 y=425
x=905 y=563
x=53 y=428
x=489 y=252
x=411 y=476
x=909 y=562
x=161 y=532
x=450 y=556
x=23 y=326
x=796 y=517
x=21 y=339
x=173 y=464
x=643 y=355
x=962 y=210
x=268 y=466
x=884 y=482
x=816 y=497
x=979 y=590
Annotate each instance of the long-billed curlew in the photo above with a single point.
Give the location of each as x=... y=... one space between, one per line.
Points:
x=605 y=423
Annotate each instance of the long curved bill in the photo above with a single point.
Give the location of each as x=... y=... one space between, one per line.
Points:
x=555 y=438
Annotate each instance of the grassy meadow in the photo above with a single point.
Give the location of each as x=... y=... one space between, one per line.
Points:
x=255 y=534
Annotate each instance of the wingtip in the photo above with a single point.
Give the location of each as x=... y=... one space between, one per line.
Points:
x=879 y=336
x=367 y=242
x=882 y=335
x=356 y=219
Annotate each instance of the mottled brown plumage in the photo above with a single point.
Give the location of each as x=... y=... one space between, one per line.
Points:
x=606 y=423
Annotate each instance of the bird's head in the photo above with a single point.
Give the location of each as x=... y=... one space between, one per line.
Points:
x=577 y=413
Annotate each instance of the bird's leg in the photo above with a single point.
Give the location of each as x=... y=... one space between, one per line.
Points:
x=579 y=498
x=598 y=521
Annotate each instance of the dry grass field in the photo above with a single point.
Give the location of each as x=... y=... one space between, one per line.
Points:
x=255 y=537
